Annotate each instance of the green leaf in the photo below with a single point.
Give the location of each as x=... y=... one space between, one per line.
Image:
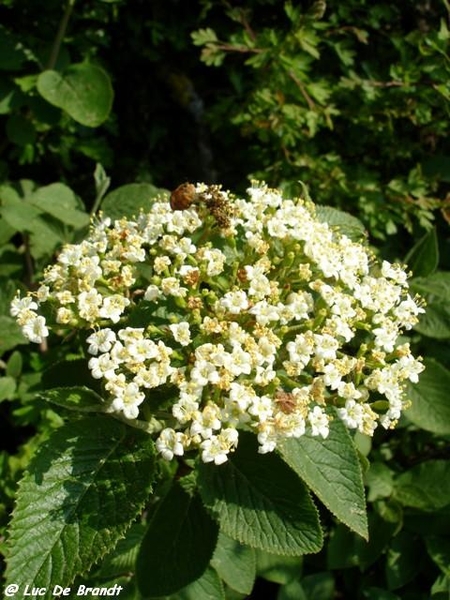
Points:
x=7 y=387
x=10 y=334
x=426 y=486
x=235 y=564
x=19 y=214
x=123 y=558
x=83 y=90
x=435 y=288
x=207 y=587
x=293 y=590
x=78 y=398
x=379 y=480
x=14 y=365
x=346 y=224
x=423 y=258
x=179 y=525
x=261 y=502
x=276 y=568
x=12 y=53
x=59 y=201
x=80 y=494
x=430 y=408
x=319 y=586
x=331 y=468
x=20 y=130
x=403 y=556
x=69 y=373
x=346 y=550
x=438 y=548
x=128 y=200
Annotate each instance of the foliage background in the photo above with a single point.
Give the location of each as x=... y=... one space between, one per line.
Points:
x=352 y=98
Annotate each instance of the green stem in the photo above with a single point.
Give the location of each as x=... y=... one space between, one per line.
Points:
x=60 y=35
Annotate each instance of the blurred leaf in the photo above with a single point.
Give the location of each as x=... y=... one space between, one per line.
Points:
x=7 y=387
x=439 y=550
x=235 y=564
x=430 y=408
x=346 y=550
x=207 y=587
x=437 y=166
x=60 y=201
x=379 y=480
x=18 y=214
x=12 y=53
x=10 y=334
x=435 y=288
x=375 y=593
x=277 y=568
x=128 y=200
x=402 y=559
x=20 y=130
x=83 y=91
x=345 y=223
x=423 y=258
x=292 y=590
x=425 y=486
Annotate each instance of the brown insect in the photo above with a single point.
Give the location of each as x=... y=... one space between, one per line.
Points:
x=285 y=401
x=183 y=197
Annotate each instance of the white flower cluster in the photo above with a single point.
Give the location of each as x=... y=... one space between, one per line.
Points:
x=242 y=314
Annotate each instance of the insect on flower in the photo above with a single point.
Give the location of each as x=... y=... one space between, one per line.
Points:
x=183 y=196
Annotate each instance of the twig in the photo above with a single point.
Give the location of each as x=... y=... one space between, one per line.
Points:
x=60 y=35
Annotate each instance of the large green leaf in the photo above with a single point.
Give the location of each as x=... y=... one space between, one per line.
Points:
x=430 y=408
x=402 y=557
x=425 y=486
x=423 y=258
x=207 y=587
x=10 y=334
x=435 y=288
x=83 y=90
x=261 y=502
x=128 y=200
x=235 y=563
x=344 y=222
x=59 y=201
x=80 y=494
x=78 y=398
x=438 y=548
x=331 y=468
x=178 y=545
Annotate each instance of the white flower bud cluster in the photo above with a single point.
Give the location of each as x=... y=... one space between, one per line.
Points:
x=250 y=314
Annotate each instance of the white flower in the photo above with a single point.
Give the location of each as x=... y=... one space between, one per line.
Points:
x=152 y=293
x=128 y=401
x=113 y=307
x=170 y=286
x=101 y=341
x=216 y=448
x=319 y=422
x=20 y=305
x=181 y=333
x=352 y=414
x=35 y=329
x=234 y=302
x=170 y=443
